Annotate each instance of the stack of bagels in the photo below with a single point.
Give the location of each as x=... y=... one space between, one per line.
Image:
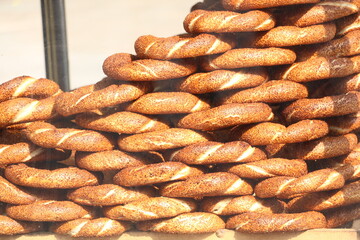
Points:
x=247 y=122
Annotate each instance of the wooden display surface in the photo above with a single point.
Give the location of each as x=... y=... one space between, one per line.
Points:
x=316 y=234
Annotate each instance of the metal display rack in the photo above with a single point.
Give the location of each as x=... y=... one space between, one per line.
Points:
x=55 y=42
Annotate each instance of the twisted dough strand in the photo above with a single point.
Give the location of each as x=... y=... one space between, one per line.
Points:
x=182 y=46
x=237 y=5
x=30 y=87
x=288 y=187
x=281 y=222
x=48 y=136
x=210 y=184
x=269 y=168
x=200 y=21
x=99 y=227
x=149 y=209
x=215 y=152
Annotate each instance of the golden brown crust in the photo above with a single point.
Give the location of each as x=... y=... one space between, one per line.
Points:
x=273 y=133
x=168 y=103
x=210 y=184
x=161 y=140
x=184 y=223
x=220 y=80
x=268 y=168
x=182 y=46
x=282 y=222
x=26 y=86
x=247 y=57
x=48 y=136
x=9 y=226
x=155 y=173
x=149 y=209
x=275 y=91
x=146 y=69
x=99 y=227
x=52 y=211
x=110 y=91
x=20 y=110
x=216 y=152
x=344 y=124
x=328 y=106
x=109 y=160
x=345 y=46
x=121 y=122
x=326 y=147
x=320 y=201
x=324 y=11
x=10 y=193
x=242 y=204
x=61 y=178
x=202 y=21
x=28 y=152
x=319 y=68
x=288 y=187
x=109 y=194
x=337 y=217
x=226 y=116
x=236 y=5
x=285 y=36
x=347 y=24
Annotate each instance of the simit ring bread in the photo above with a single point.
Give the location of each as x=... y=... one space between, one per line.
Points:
x=288 y=187
x=110 y=91
x=268 y=168
x=242 y=204
x=285 y=36
x=226 y=116
x=239 y=5
x=151 y=208
x=161 y=140
x=109 y=160
x=344 y=124
x=324 y=11
x=271 y=133
x=20 y=110
x=108 y=194
x=99 y=227
x=325 y=147
x=216 y=152
x=28 y=152
x=48 y=136
x=120 y=122
x=10 y=193
x=49 y=211
x=275 y=91
x=247 y=57
x=202 y=21
x=347 y=24
x=345 y=46
x=210 y=184
x=123 y=66
x=187 y=223
x=220 y=80
x=329 y=106
x=9 y=226
x=182 y=46
x=168 y=103
x=281 y=222
x=61 y=178
x=319 y=201
x=319 y=68
x=155 y=173
x=26 y=86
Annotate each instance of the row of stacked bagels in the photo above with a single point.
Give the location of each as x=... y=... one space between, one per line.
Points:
x=247 y=122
